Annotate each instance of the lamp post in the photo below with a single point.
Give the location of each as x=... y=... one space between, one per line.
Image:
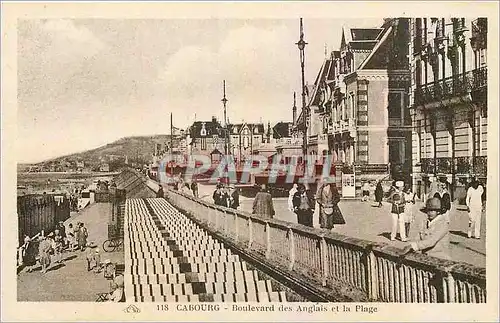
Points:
x=224 y=101
x=301 y=44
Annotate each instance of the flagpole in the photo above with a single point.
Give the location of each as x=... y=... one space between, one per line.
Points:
x=171 y=144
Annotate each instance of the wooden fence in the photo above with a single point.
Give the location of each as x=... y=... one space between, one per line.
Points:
x=376 y=270
x=40 y=212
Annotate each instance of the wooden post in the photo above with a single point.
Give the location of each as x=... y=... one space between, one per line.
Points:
x=324 y=260
x=268 y=240
x=291 y=241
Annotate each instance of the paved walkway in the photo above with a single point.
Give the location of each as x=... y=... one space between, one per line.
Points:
x=71 y=281
x=366 y=221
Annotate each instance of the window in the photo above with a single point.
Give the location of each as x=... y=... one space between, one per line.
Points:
x=255 y=130
x=353 y=104
x=395 y=105
x=203 y=143
x=482 y=57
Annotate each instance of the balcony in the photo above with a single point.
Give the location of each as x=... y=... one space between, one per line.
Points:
x=289 y=141
x=450 y=87
x=462 y=165
x=481 y=165
x=479 y=33
x=427 y=165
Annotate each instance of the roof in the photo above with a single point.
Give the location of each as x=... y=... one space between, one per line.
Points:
x=365 y=45
x=251 y=126
x=213 y=127
x=282 y=130
x=359 y=34
x=321 y=79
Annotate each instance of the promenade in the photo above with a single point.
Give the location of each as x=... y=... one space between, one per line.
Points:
x=70 y=281
x=366 y=221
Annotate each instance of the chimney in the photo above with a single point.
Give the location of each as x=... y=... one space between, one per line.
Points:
x=214 y=119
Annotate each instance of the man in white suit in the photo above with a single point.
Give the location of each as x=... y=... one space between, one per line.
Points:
x=475 y=208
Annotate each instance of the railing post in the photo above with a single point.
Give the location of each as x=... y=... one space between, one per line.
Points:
x=371 y=274
x=250 y=233
x=324 y=260
x=449 y=281
x=236 y=233
x=214 y=211
x=291 y=241
x=268 y=240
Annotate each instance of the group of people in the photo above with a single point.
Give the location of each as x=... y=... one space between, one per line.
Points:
x=187 y=188
x=366 y=189
x=434 y=238
x=402 y=200
x=50 y=248
x=227 y=196
x=304 y=203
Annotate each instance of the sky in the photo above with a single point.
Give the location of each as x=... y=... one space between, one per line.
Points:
x=84 y=83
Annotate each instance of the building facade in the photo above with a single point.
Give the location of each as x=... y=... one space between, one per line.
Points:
x=205 y=138
x=245 y=138
x=449 y=101
x=359 y=104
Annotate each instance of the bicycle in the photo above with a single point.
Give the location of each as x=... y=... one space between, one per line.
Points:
x=113 y=244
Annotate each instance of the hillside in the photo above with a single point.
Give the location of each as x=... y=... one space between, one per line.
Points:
x=137 y=148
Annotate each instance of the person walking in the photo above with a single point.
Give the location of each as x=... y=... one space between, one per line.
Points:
x=328 y=197
x=303 y=205
x=409 y=217
x=234 y=196
x=397 y=212
x=218 y=195
x=71 y=237
x=379 y=193
x=160 y=192
x=194 y=188
x=82 y=237
x=434 y=239
x=474 y=204
x=291 y=194
x=263 y=203
x=365 y=191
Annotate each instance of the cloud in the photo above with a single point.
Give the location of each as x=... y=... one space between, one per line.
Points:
x=50 y=53
x=256 y=64
x=125 y=77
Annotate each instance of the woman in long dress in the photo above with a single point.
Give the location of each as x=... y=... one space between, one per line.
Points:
x=379 y=194
x=82 y=237
x=328 y=197
x=29 y=253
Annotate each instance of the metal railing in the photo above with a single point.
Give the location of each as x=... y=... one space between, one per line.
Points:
x=377 y=271
x=459 y=165
x=453 y=86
